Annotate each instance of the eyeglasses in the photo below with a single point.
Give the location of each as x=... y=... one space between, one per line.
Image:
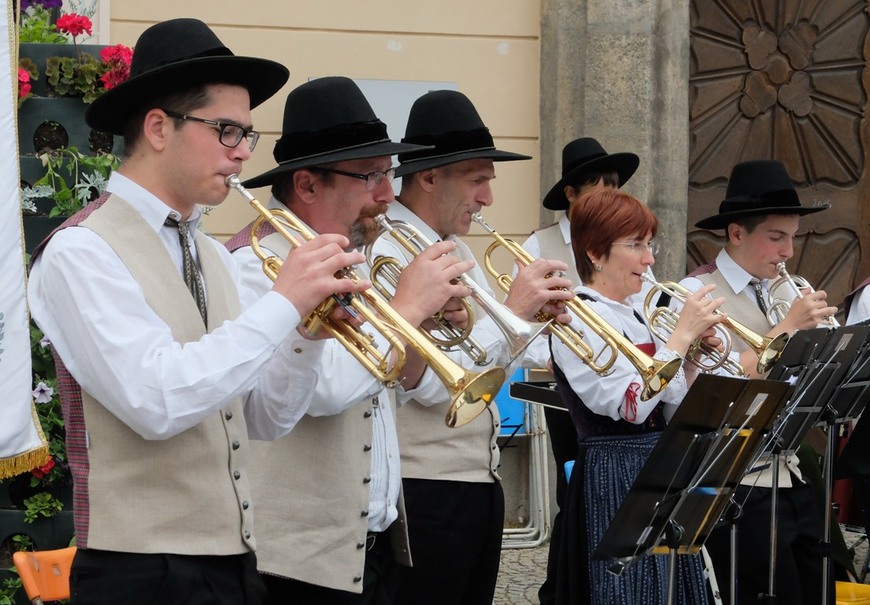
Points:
x=372 y=179
x=230 y=134
x=639 y=247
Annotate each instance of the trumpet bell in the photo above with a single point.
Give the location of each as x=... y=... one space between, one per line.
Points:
x=477 y=391
x=768 y=355
x=657 y=376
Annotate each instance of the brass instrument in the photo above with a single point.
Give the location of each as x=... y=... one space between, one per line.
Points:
x=518 y=332
x=656 y=374
x=470 y=392
x=663 y=321
x=778 y=305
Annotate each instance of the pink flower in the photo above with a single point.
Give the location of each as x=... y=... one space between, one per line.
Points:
x=74 y=24
x=23 y=82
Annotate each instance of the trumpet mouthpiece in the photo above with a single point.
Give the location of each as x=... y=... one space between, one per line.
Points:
x=232 y=180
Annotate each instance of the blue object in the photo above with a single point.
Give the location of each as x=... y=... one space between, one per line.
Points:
x=512 y=411
x=569 y=466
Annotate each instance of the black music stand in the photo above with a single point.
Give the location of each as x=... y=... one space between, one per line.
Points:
x=693 y=470
x=822 y=364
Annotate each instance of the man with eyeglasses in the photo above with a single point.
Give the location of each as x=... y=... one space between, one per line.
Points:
x=453 y=492
x=167 y=363
x=330 y=510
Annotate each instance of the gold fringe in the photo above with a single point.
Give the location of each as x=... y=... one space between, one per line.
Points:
x=21 y=463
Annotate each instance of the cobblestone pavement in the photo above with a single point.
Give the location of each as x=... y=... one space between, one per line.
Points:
x=521 y=573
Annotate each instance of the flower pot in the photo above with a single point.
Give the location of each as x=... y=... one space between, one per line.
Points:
x=38 y=53
x=68 y=112
x=37 y=228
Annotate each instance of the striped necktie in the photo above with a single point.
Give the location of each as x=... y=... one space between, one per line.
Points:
x=191 y=273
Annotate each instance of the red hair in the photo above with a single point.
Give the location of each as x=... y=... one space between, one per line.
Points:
x=602 y=217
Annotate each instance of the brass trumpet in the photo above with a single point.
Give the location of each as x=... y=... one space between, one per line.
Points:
x=778 y=305
x=663 y=320
x=518 y=332
x=656 y=374
x=470 y=392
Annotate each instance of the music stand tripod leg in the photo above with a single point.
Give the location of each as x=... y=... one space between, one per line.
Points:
x=770 y=597
x=673 y=536
x=830 y=417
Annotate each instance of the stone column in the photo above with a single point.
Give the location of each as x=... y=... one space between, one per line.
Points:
x=618 y=70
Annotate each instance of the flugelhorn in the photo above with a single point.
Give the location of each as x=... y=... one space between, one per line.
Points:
x=518 y=332
x=779 y=304
x=663 y=320
x=656 y=374
x=470 y=392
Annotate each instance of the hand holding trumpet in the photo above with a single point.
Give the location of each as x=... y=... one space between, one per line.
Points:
x=540 y=286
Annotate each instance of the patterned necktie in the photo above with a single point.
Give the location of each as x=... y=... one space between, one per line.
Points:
x=191 y=273
x=759 y=295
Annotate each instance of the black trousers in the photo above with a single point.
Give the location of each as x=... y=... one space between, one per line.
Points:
x=378 y=582
x=563 y=441
x=102 y=577
x=799 y=551
x=455 y=530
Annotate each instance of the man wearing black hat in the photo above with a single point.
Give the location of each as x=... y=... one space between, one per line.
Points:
x=332 y=524
x=586 y=167
x=453 y=495
x=760 y=216
x=166 y=363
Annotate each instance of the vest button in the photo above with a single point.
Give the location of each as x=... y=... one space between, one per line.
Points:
x=236 y=445
x=357 y=579
x=360 y=545
x=367 y=447
x=297 y=350
x=367 y=414
x=247 y=535
x=364 y=513
x=228 y=415
x=236 y=474
x=245 y=505
x=367 y=480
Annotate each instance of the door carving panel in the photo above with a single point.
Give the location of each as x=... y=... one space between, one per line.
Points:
x=785 y=80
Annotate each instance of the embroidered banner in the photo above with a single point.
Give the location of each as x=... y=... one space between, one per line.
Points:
x=22 y=445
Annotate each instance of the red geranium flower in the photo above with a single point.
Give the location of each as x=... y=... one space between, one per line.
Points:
x=41 y=471
x=74 y=24
x=23 y=82
x=118 y=59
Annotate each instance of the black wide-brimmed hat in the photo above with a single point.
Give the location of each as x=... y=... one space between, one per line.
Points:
x=586 y=155
x=175 y=55
x=447 y=121
x=757 y=188
x=328 y=120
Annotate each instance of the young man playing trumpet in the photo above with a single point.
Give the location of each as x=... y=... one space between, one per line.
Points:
x=454 y=498
x=331 y=517
x=760 y=216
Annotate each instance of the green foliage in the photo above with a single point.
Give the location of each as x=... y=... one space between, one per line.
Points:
x=36 y=26
x=76 y=76
x=10 y=588
x=87 y=177
x=42 y=504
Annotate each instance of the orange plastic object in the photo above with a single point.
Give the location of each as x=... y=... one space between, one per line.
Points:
x=45 y=573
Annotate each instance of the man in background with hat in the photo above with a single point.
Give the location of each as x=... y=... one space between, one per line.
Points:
x=453 y=493
x=586 y=167
x=760 y=216
x=330 y=512
x=175 y=359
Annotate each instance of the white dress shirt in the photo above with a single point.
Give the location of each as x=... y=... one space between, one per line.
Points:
x=95 y=315
x=606 y=395
x=343 y=383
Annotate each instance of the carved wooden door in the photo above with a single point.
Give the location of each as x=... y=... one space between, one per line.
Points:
x=785 y=80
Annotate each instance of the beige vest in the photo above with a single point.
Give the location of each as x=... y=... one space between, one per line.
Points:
x=430 y=450
x=312 y=493
x=187 y=494
x=553 y=247
x=747 y=312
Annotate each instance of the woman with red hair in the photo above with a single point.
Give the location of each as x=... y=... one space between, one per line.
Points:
x=612 y=237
